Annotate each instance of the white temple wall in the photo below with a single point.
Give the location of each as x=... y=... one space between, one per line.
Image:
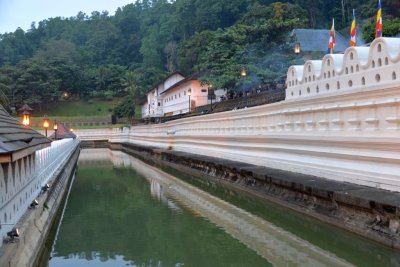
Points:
x=21 y=181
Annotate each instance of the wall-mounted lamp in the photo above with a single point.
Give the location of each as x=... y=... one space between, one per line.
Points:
x=45 y=187
x=34 y=204
x=13 y=234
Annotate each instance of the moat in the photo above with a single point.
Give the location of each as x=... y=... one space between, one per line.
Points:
x=123 y=212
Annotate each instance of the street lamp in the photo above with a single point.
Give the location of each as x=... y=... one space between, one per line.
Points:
x=26 y=118
x=297 y=49
x=45 y=124
x=243 y=72
x=211 y=93
x=55 y=127
x=189 y=93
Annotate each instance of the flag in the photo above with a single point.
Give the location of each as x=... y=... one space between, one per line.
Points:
x=332 y=39
x=353 y=30
x=378 y=28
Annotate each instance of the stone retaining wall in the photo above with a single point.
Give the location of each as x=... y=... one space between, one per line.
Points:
x=368 y=212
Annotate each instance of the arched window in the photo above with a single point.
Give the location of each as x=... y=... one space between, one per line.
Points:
x=292 y=94
x=379 y=62
x=347 y=70
x=338 y=85
x=351 y=56
x=363 y=81
x=317 y=89
x=329 y=62
x=324 y=75
x=329 y=74
x=379 y=48
x=306 y=79
x=386 y=61
x=327 y=86
x=351 y=69
x=300 y=92
x=308 y=89
x=377 y=77
x=350 y=83
x=394 y=75
x=373 y=63
x=293 y=73
x=309 y=68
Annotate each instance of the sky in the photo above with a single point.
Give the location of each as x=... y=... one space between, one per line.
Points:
x=21 y=13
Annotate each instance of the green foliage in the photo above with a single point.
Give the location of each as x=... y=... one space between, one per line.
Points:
x=126 y=108
x=390 y=27
x=99 y=55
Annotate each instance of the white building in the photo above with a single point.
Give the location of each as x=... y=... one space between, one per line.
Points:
x=171 y=97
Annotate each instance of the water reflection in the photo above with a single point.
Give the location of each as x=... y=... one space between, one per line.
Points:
x=124 y=212
x=116 y=217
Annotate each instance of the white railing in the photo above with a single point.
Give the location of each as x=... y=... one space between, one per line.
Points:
x=26 y=182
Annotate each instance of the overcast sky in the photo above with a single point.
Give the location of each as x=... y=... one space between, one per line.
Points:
x=21 y=13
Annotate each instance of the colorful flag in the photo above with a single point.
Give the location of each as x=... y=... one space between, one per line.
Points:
x=378 y=28
x=332 y=39
x=353 y=30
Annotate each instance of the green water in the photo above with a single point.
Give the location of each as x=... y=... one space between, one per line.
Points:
x=117 y=217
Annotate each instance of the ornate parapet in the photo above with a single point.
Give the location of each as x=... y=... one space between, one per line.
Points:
x=358 y=69
x=21 y=181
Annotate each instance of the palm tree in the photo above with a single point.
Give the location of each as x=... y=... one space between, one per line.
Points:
x=129 y=85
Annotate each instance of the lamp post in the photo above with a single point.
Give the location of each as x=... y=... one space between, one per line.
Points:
x=297 y=48
x=55 y=127
x=211 y=93
x=26 y=115
x=45 y=124
x=243 y=72
x=189 y=93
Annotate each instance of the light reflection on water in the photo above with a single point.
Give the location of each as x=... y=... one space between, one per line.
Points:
x=121 y=206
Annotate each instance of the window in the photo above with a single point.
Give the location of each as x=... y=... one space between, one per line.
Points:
x=386 y=61
x=363 y=81
x=308 y=89
x=338 y=85
x=204 y=90
x=379 y=48
x=159 y=103
x=377 y=77
x=357 y=68
x=309 y=68
x=306 y=79
x=329 y=62
x=351 y=69
x=351 y=56
x=327 y=86
x=350 y=83
x=347 y=70
x=329 y=74
x=299 y=92
x=379 y=62
x=317 y=89
x=373 y=63
x=394 y=75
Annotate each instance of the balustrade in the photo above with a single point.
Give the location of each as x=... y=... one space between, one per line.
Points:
x=22 y=181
